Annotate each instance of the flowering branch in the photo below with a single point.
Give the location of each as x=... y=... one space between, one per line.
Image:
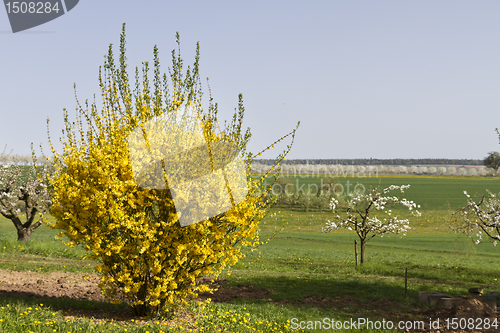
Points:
x=478 y=218
x=368 y=216
x=22 y=191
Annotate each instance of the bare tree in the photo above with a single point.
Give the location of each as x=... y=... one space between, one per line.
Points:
x=492 y=161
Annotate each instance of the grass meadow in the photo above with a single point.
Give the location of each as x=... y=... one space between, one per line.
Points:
x=430 y=192
x=312 y=275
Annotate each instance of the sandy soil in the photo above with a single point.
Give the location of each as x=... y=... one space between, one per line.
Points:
x=49 y=285
x=85 y=286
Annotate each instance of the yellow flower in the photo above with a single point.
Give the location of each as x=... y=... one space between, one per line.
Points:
x=134 y=231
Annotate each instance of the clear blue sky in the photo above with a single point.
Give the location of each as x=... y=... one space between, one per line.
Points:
x=381 y=79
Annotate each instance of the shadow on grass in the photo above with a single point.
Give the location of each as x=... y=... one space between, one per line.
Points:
x=69 y=307
x=346 y=297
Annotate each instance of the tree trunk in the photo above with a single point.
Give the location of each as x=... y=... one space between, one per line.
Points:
x=362 y=251
x=25 y=230
x=24 y=235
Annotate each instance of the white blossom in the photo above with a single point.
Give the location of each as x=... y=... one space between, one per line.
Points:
x=478 y=219
x=23 y=186
x=370 y=224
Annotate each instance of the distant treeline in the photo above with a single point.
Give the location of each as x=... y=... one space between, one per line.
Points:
x=377 y=161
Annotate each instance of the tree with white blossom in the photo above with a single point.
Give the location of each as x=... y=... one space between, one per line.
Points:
x=414 y=169
x=479 y=219
x=369 y=215
x=423 y=169
x=401 y=169
x=462 y=172
x=472 y=172
x=441 y=170
x=23 y=191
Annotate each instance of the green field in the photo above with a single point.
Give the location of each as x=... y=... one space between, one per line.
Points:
x=430 y=192
x=300 y=265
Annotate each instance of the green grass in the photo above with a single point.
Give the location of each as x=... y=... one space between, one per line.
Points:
x=301 y=265
x=431 y=193
x=441 y=257
x=44 y=253
x=431 y=221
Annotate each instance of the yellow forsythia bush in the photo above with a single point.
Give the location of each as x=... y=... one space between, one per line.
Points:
x=144 y=254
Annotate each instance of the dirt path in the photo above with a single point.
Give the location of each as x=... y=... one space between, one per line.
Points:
x=50 y=285
x=85 y=286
